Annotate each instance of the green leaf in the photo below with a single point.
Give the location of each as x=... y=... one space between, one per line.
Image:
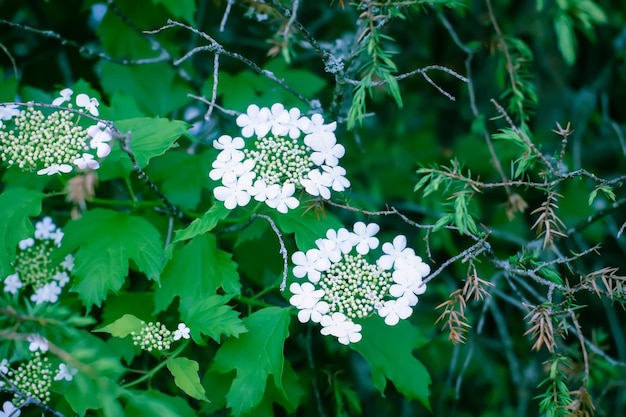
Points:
x=121 y=40
x=16 y=206
x=306 y=225
x=123 y=326
x=203 y=224
x=106 y=241
x=566 y=39
x=212 y=317
x=185 y=373
x=151 y=136
x=8 y=87
x=395 y=362
x=606 y=190
x=197 y=269
x=183 y=176
x=156 y=88
x=179 y=8
x=293 y=392
x=96 y=389
x=123 y=106
x=155 y=404
x=255 y=355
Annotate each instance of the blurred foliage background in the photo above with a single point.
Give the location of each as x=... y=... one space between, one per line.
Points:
x=570 y=56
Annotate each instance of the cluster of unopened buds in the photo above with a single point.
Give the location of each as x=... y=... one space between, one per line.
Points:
x=346 y=282
x=289 y=152
x=33 y=377
x=34 y=268
x=56 y=142
x=156 y=336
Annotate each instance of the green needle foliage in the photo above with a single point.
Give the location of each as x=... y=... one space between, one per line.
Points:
x=298 y=208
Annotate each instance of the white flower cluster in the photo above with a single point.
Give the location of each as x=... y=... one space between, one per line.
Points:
x=34 y=377
x=54 y=143
x=290 y=152
x=156 y=336
x=344 y=286
x=33 y=266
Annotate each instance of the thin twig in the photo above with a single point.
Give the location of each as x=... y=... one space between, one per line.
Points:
x=163 y=56
x=473 y=251
x=283 y=249
x=581 y=338
x=216 y=47
x=292 y=18
x=229 y=5
x=216 y=68
x=170 y=208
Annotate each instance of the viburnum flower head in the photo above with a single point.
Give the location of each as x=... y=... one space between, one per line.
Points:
x=33 y=267
x=55 y=142
x=345 y=281
x=286 y=153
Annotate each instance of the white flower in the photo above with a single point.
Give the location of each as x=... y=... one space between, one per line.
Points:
x=228 y=171
x=279 y=120
x=68 y=262
x=394 y=251
x=89 y=104
x=314 y=313
x=296 y=123
x=4 y=366
x=408 y=285
x=235 y=193
x=55 y=169
x=9 y=410
x=317 y=125
x=412 y=262
x=340 y=326
x=284 y=200
x=66 y=95
x=353 y=333
x=261 y=191
x=328 y=249
x=8 y=111
x=102 y=149
x=86 y=162
x=341 y=238
x=44 y=228
x=230 y=148
x=326 y=149
x=100 y=135
x=394 y=310
x=48 y=293
x=57 y=236
x=12 y=284
x=100 y=132
x=305 y=295
x=309 y=264
x=62 y=278
x=182 y=332
x=65 y=372
x=337 y=175
x=255 y=120
x=37 y=343
x=26 y=243
x=317 y=183
x=363 y=237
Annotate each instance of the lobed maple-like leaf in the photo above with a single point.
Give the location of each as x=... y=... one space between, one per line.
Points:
x=212 y=317
x=197 y=269
x=389 y=351
x=105 y=242
x=16 y=206
x=255 y=356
